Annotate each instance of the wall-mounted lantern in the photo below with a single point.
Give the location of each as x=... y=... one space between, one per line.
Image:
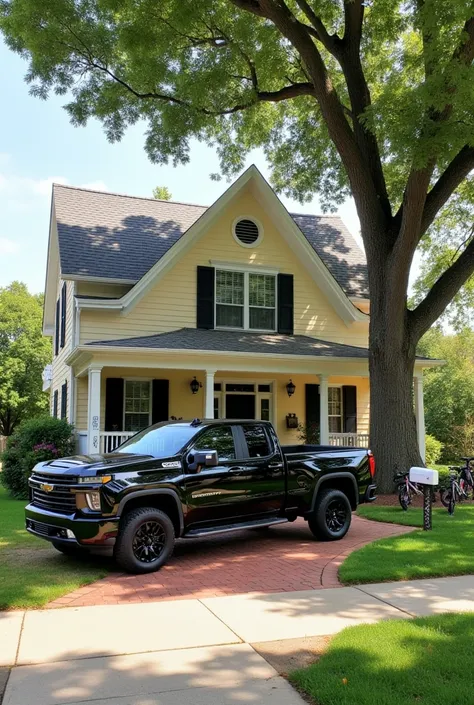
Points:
x=290 y=388
x=195 y=386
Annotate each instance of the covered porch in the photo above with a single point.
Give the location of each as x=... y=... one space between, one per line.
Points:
x=309 y=389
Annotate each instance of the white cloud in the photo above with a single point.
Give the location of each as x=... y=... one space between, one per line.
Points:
x=43 y=186
x=8 y=247
x=95 y=186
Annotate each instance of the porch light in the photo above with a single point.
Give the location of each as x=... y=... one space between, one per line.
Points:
x=290 y=388
x=195 y=386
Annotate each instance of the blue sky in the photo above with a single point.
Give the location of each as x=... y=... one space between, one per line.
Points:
x=39 y=145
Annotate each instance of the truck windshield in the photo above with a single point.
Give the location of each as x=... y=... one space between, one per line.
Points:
x=161 y=442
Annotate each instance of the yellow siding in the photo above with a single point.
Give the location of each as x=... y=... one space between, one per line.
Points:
x=98 y=289
x=61 y=371
x=171 y=304
x=186 y=405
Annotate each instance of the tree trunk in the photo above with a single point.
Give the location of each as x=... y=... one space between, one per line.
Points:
x=393 y=436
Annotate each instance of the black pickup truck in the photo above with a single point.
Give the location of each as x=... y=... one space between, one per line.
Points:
x=188 y=479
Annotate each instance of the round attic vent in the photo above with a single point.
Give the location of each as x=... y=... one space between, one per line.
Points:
x=247 y=232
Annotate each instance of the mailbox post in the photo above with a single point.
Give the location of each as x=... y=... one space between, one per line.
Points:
x=428 y=478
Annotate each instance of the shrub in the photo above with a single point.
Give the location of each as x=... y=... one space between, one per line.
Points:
x=433 y=449
x=461 y=442
x=308 y=433
x=34 y=441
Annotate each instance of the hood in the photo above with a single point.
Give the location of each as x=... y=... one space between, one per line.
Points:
x=96 y=464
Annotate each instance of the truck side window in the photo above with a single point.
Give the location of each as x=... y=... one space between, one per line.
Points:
x=218 y=438
x=257 y=441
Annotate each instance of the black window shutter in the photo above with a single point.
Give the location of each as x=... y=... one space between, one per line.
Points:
x=312 y=405
x=56 y=330
x=205 y=298
x=349 y=408
x=55 y=404
x=285 y=304
x=64 y=400
x=160 y=400
x=114 y=390
x=63 y=314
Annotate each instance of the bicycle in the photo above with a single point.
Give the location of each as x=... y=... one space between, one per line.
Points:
x=406 y=489
x=460 y=481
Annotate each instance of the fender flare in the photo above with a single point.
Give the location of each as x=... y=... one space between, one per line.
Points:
x=158 y=491
x=335 y=476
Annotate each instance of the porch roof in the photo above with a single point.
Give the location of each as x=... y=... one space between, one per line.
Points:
x=241 y=342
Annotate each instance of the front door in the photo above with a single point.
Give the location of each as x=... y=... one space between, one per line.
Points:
x=240 y=406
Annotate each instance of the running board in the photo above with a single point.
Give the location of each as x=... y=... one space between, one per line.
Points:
x=260 y=523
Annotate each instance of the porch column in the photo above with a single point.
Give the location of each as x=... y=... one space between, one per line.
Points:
x=324 y=410
x=93 y=410
x=420 y=414
x=209 y=395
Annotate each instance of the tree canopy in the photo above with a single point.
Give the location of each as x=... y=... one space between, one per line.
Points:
x=162 y=193
x=24 y=352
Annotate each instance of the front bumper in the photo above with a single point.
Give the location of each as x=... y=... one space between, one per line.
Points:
x=88 y=532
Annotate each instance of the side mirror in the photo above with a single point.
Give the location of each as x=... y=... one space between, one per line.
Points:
x=204 y=458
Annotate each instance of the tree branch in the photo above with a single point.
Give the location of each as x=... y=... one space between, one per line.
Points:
x=441 y=293
x=330 y=41
x=454 y=174
x=465 y=51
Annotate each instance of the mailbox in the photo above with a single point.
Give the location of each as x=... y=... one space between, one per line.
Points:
x=424 y=476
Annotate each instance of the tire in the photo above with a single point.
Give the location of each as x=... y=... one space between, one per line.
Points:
x=404 y=498
x=145 y=541
x=446 y=497
x=332 y=516
x=69 y=549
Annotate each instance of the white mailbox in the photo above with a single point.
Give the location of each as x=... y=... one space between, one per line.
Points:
x=424 y=476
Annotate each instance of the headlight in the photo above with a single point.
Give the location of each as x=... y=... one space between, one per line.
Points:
x=98 y=480
x=93 y=501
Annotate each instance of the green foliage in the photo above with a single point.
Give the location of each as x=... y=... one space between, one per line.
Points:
x=162 y=193
x=24 y=352
x=308 y=433
x=397 y=662
x=34 y=441
x=433 y=449
x=449 y=392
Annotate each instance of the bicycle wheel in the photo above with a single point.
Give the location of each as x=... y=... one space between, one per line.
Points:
x=404 y=498
x=452 y=503
x=445 y=497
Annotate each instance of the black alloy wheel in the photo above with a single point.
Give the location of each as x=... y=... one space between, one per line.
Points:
x=332 y=515
x=336 y=515
x=149 y=541
x=145 y=540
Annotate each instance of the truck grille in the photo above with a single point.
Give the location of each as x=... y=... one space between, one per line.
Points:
x=60 y=499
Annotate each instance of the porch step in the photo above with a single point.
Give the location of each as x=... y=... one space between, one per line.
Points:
x=254 y=524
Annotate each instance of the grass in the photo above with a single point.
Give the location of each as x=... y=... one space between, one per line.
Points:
x=414 y=662
x=446 y=550
x=32 y=573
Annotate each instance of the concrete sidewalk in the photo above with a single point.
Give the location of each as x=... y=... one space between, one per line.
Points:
x=193 y=651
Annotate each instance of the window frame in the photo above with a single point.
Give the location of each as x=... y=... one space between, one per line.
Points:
x=336 y=416
x=150 y=409
x=220 y=463
x=246 y=305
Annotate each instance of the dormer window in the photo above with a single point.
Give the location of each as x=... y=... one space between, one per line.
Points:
x=245 y=300
x=247 y=231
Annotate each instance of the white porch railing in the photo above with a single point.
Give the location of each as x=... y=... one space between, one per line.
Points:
x=110 y=440
x=357 y=440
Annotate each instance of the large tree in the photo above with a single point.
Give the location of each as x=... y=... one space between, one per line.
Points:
x=24 y=352
x=369 y=98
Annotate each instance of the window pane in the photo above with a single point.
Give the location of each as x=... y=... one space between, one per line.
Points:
x=239 y=387
x=257 y=441
x=264 y=388
x=265 y=409
x=230 y=316
x=262 y=290
x=216 y=407
x=229 y=287
x=137 y=405
x=136 y=422
x=218 y=438
x=335 y=424
x=262 y=318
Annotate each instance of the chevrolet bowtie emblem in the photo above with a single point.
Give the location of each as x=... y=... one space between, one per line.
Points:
x=47 y=488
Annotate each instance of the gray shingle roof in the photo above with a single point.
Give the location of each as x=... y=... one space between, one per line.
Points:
x=232 y=341
x=121 y=237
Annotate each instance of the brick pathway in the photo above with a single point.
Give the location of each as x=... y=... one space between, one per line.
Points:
x=284 y=559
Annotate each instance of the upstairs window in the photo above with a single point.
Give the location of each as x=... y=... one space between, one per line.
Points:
x=245 y=300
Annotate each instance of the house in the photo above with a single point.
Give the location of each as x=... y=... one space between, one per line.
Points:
x=160 y=309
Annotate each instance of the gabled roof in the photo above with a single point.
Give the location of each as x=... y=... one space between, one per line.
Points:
x=117 y=237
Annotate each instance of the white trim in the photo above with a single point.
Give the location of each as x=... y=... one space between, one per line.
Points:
x=420 y=415
x=97 y=280
x=93 y=409
x=259 y=225
x=242 y=267
x=99 y=303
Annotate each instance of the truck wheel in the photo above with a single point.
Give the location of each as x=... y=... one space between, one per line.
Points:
x=332 y=516
x=145 y=540
x=70 y=549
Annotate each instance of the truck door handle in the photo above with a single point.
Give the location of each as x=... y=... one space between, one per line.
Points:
x=236 y=470
x=275 y=466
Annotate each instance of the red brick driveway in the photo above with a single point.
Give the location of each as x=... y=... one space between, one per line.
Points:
x=283 y=559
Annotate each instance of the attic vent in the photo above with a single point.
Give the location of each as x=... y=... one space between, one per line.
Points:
x=247 y=232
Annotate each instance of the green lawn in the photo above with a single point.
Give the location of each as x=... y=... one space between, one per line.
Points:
x=446 y=550
x=33 y=573
x=422 y=661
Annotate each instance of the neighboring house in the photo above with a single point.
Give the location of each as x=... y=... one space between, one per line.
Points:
x=240 y=310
